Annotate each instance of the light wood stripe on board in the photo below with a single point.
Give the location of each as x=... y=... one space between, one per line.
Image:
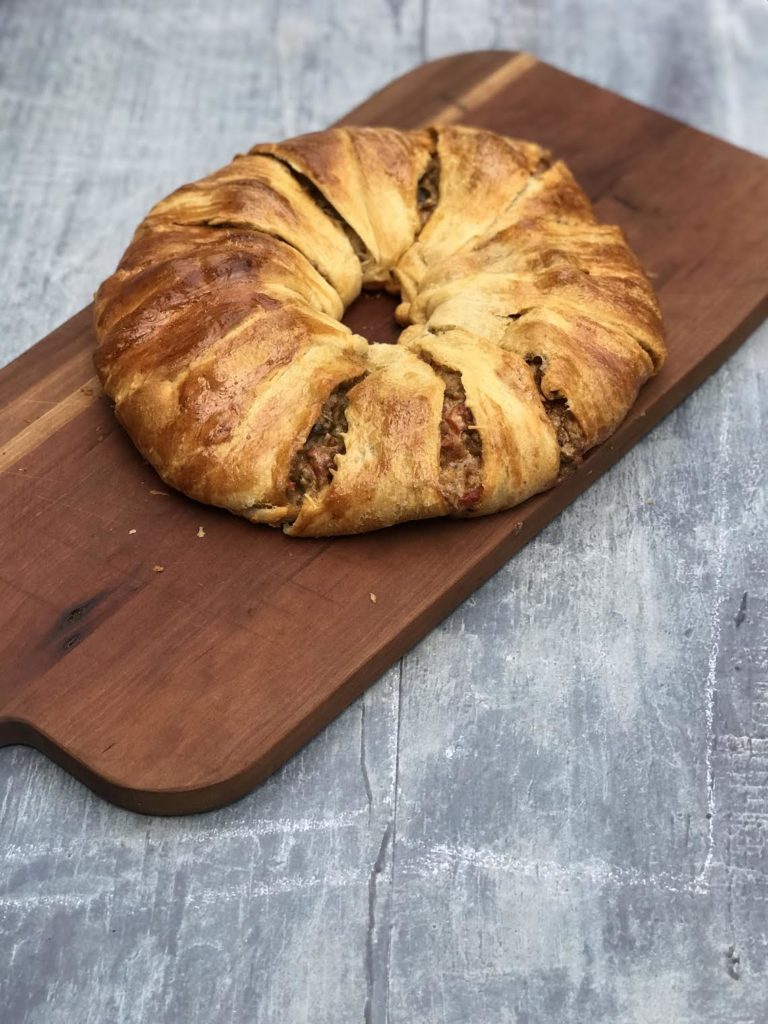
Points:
x=480 y=93
x=56 y=417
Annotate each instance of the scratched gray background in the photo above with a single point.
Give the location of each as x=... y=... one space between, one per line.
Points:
x=555 y=809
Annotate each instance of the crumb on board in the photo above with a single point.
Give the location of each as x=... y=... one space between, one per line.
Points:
x=132 y=531
x=373 y=598
x=200 y=531
x=158 y=568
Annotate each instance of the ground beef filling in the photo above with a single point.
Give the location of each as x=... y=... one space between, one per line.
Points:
x=428 y=191
x=570 y=436
x=313 y=464
x=460 y=444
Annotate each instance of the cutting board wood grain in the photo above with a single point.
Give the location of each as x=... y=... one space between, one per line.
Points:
x=179 y=690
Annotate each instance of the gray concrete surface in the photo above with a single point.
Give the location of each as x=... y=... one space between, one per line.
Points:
x=555 y=809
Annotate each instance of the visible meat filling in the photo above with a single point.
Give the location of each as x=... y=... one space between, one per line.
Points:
x=313 y=464
x=570 y=436
x=428 y=192
x=460 y=444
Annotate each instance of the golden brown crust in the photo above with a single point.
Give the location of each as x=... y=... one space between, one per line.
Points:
x=369 y=176
x=261 y=194
x=519 y=450
x=390 y=471
x=479 y=171
x=532 y=328
x=160 y=310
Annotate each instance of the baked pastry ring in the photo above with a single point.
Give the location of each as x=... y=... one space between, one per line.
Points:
x=528 y=329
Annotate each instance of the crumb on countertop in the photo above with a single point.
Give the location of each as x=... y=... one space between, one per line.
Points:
x=132 y=531
x=373 y=598
x=200 y=531
x=158 y=568
x=164 y=493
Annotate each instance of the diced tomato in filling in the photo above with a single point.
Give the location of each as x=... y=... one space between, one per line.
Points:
x=321 y=458
x=472 y=496
x=453 y=428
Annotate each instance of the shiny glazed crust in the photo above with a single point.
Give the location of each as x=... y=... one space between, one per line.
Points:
x=528 y=329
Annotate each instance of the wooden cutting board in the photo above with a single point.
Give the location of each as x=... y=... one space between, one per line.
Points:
x=177 y=691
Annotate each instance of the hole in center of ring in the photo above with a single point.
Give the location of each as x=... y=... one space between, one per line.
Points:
x=372 y=315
